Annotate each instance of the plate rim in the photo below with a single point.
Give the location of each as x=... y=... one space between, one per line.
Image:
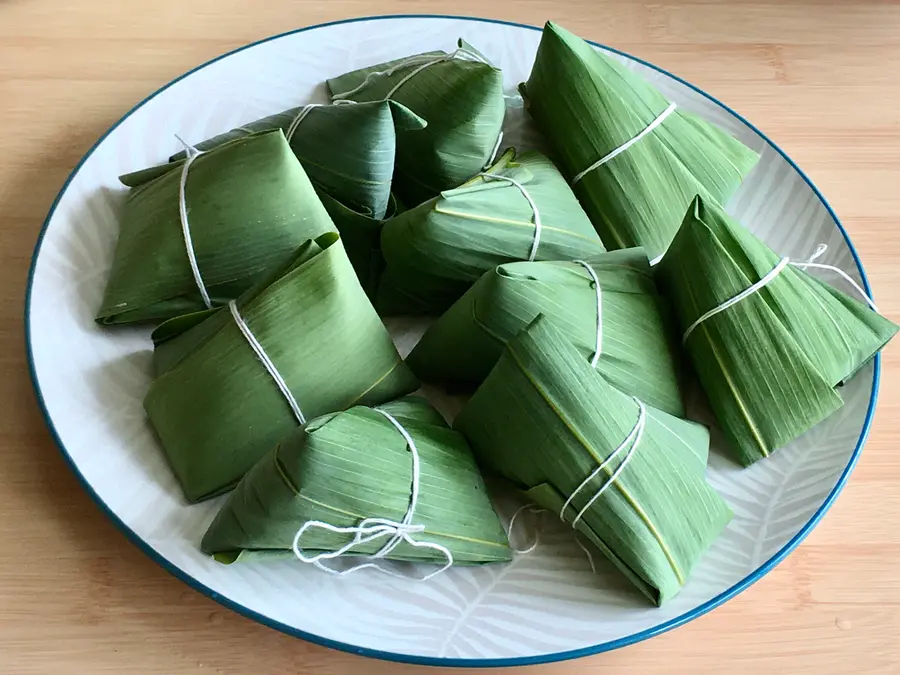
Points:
x=609 y=645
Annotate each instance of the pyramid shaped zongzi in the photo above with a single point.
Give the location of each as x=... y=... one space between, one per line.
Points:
x=769 y=362
x=649 y=157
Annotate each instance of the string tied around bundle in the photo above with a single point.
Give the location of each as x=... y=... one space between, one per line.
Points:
x=369 y=530
x=304 y=111
x=192 y=154
x=627 y=144
x=267 y=362
x=536 y=214
x=494 y=151
x=632 y=442
x=771 y=276
x=598 y=343
x=425 y=61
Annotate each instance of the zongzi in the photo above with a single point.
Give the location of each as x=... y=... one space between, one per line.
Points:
x=608 y=307
x=625 y=475
x=197 y=233
x=233 y=382
x=634 y=159
x=355 y=472
x=769 y=342
x=519 y=209
x=459 y=94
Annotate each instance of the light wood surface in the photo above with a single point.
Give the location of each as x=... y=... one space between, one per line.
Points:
x=821 y=78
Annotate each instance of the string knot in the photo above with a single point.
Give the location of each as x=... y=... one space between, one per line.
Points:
x=369 y=530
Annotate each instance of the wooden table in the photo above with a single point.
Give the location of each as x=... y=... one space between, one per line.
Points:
x=821 y=78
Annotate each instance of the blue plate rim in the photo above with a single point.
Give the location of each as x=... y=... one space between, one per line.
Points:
x=610 y=645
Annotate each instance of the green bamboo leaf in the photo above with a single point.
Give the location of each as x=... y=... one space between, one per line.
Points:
x=588 y=105
x=250 y=205
x=462 y=101
x=770 y=363
x=217 y=409
x=361 y=235
x=636 y=353
x=437 y=250
x=544 y=417
x=346 y=150
x=345 y=467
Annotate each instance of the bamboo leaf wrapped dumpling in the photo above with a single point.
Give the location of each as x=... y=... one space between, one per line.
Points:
x=521 y=210
x=627 y=476
x=459 y=94
x=635 y=352
x=347 y=150
x=634 y=159
x=768 y=341
x=233 y=382
x=247 y=205
x=344 y=468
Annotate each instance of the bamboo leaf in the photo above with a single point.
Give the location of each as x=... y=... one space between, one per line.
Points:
x=346 y=150
x=588 y=105
x=460 y=98
x=217 y=409
x=637 y=356
x=770 y=363
x=348 y=466
x=250 y=205
x=544 y=417
x=437 y=250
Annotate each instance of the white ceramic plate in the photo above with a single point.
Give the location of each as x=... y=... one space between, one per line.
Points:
x=543 y=606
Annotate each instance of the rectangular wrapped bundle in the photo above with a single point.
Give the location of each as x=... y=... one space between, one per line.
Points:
x=635 y=161
x=233 y=382
x=214 y=226
x=352 y=471
x=769 y=342
x=519 y=209
x=608 y=307
x=628 y=477
x=459 y=94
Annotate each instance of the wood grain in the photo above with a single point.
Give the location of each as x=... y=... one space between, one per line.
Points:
x=821 y=78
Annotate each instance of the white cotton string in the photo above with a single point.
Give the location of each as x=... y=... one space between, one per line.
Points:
x=632 y=441
x=495 y=151
x=859 y=289
x=373 y=529
x=587 y=553
x=750 y=290
x=534 y=209
x=429 y=60
x=266 y=361
x=598 y=344
x=192 y=154
x=301 y=115
x=627 y=144
x=782 y=264
x=510 y=528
